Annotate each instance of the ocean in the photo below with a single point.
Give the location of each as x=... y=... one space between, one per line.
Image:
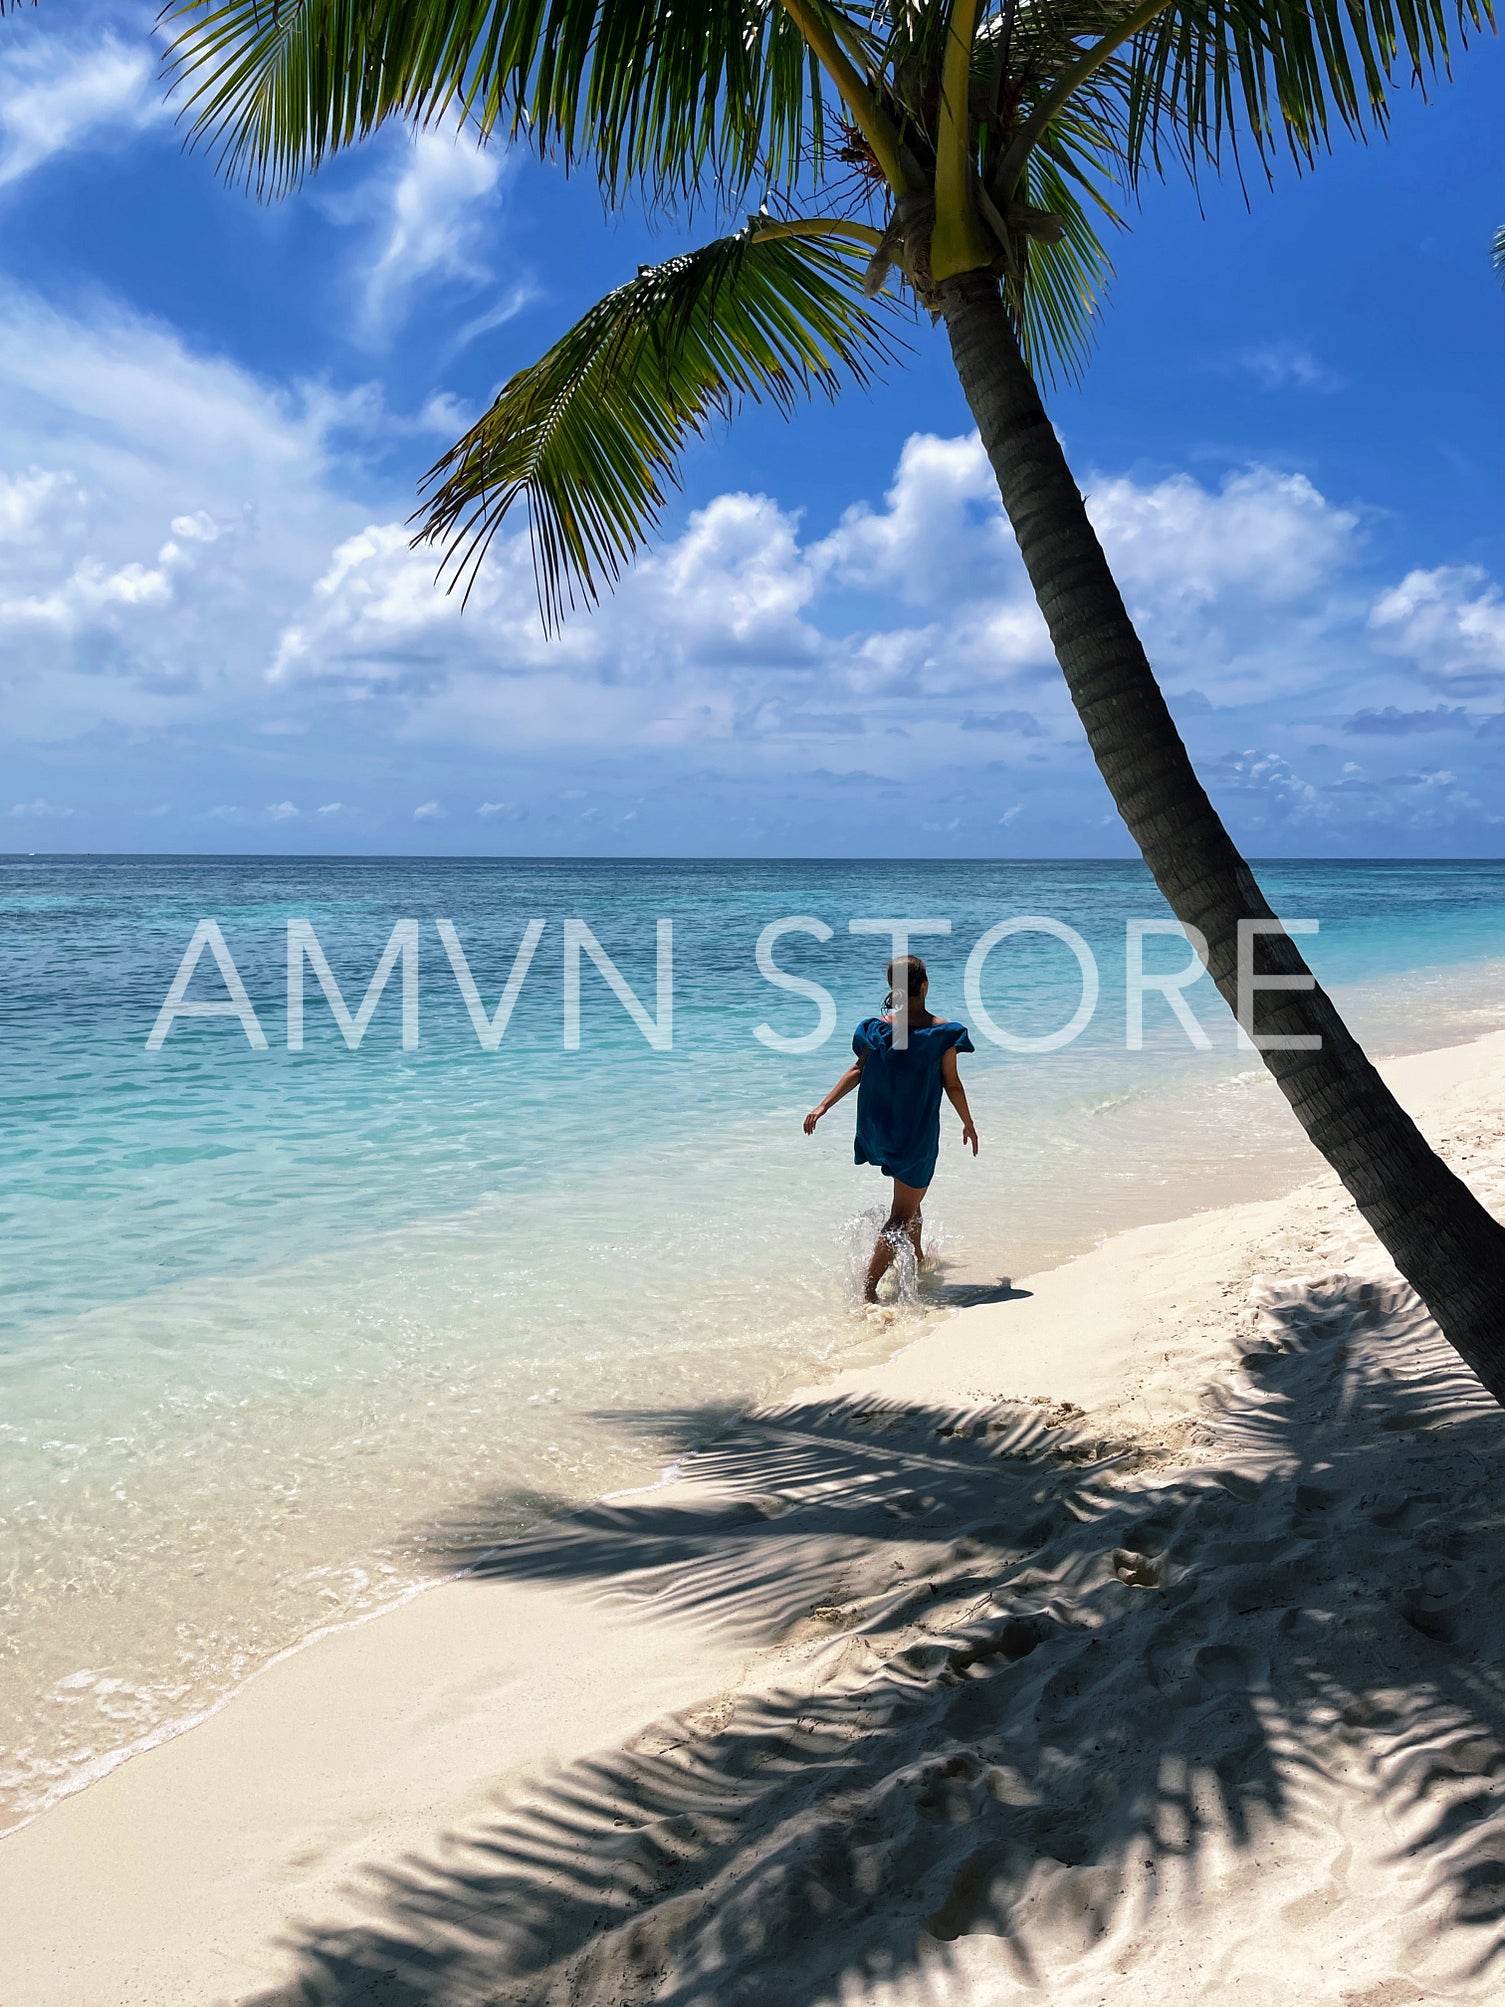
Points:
x=287 y=1323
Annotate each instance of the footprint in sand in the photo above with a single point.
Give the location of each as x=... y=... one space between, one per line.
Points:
x=1435 y=1605
x=1068 y=1909
x=1140 y=1571
x=971 y=1908
x=1481 y=1893
x=1469 y=1756
x=1403 y=1513
x=1227 y=1668
x=953 y=1794
x=1261 y=1360
x=1166 y=1661
x=1312 y=1908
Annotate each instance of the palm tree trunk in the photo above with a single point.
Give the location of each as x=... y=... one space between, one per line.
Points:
x=1441 y=1238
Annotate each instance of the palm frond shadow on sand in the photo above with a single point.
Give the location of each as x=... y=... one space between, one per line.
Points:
x=1037 y=1681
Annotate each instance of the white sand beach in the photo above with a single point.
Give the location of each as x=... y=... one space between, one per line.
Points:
x=1138 y=1636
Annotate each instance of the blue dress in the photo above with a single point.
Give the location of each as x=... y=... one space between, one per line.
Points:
x=899 y=1097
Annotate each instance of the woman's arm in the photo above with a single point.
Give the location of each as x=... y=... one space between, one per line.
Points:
x=956 y=1094
x=839 y=1092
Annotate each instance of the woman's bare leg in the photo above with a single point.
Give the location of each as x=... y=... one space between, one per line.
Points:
x=903 y=1216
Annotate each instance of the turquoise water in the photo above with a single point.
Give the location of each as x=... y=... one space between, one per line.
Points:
x=269 y=1314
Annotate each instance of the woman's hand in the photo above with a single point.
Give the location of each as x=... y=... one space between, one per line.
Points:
x=839 y=1092
x=969 y=1135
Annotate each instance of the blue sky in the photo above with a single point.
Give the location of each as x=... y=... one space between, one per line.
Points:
x=213 y=415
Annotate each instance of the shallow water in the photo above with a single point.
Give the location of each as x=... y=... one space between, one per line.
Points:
x=270 y=1316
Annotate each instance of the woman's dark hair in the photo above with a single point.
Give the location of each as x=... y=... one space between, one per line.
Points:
x=911 y=970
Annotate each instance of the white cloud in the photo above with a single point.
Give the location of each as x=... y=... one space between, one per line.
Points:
x=717 y=608
x=431 y=217
x=943 y=538
x=371 y=604
x=117 y=435
x=1241 y=581
x=942 y=531
x=275 y=596
x=1287 y=365
x=58 y=94
x=35 y=503
x=734 y=585
x=1451 y=623
x=513 y=301
x=1268 y=534
x=180 y=553
x=39 y=807
x=90 y=591
x=1270 y=778
x=444 y=415
x=200 y=527
x=740 y=632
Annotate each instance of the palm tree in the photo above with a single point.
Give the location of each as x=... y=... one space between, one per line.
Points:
x=980 y=149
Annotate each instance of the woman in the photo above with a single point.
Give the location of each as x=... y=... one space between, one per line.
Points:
x=905 y=1060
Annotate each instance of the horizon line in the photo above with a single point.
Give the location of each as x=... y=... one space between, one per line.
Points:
x=670 y=857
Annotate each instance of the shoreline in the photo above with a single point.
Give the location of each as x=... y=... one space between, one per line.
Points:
x=1268 y=1165
x=350 y=1747
x=347 y=1520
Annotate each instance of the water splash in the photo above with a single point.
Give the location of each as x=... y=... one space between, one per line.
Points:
x=904 y=1287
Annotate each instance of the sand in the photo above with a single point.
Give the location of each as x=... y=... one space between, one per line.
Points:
x=1138 y=1636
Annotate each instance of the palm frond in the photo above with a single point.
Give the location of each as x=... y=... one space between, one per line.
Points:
x=1283 y=75
x=1074 y=177
x=1058 y=294
x=669 y=92
x=589 y=436
x=1497 y=253
x=1070 y=103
